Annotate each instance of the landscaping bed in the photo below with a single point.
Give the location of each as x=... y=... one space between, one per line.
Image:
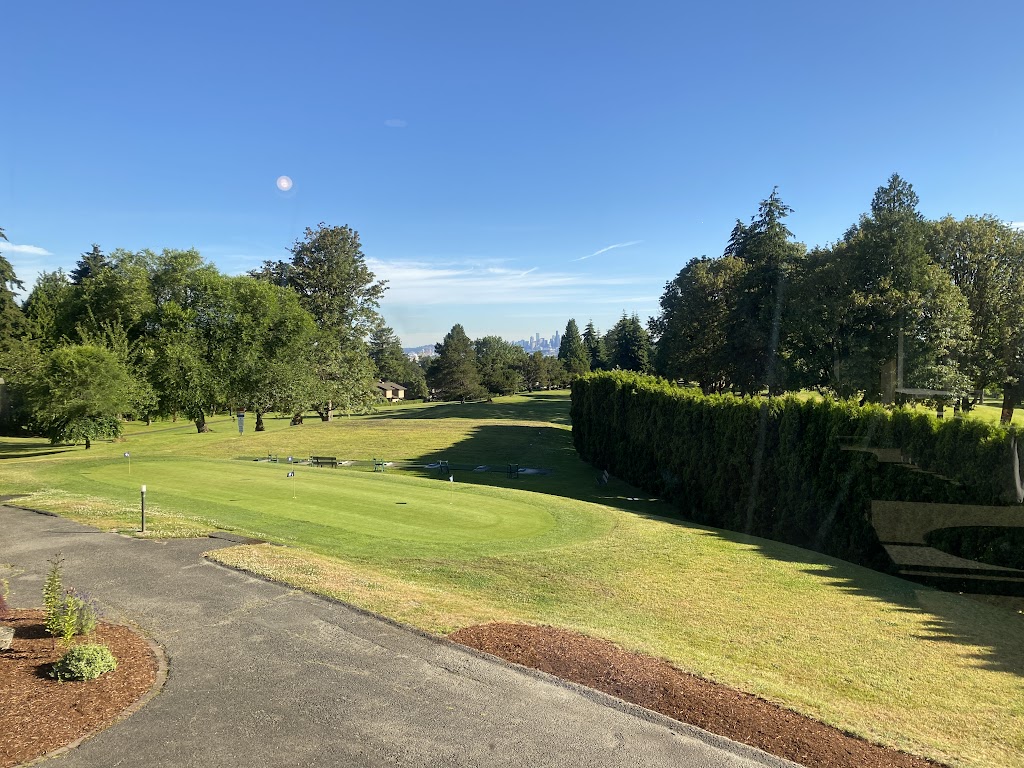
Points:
x=40 y=714
x=658 y=686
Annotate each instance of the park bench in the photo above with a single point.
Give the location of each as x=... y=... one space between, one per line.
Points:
x=444 y=469
x=324 y=461
x=378 y=465
x=513 y=471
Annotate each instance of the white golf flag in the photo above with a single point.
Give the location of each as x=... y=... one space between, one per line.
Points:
x=451 y=478
x=291 y=474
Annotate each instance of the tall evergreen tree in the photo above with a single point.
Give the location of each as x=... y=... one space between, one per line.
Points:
x=454 y=374
x=629 y=345
x=572 y=352
x=387 y=355
x=755 y=332
x=328 y=270
x=91 y=263
x=895 y=286
x=594 y=347
x=12 y=320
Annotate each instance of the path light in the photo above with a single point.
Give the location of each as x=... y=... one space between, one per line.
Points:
x=143 y=509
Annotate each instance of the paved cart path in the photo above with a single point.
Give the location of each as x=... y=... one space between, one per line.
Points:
x=263 y=675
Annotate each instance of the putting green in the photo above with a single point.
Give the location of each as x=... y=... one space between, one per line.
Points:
x=345 y=511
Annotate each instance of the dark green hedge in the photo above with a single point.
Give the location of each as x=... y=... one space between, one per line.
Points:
x=775 y=467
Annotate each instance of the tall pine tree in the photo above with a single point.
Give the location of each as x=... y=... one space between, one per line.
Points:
x=572 y=352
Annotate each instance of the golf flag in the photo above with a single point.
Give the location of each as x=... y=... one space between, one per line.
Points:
x=451 y=478
x=291 y=474
x=127 y=455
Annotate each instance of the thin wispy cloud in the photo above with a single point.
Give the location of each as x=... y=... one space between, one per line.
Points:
x=609 y=248
x=28 y=250
x=395 y=123
x=420 y=283
x=1018 y=225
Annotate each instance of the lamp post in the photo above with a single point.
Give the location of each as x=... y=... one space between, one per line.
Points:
x=143 y=509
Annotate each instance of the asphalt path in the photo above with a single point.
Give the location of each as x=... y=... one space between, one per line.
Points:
x=264 y=675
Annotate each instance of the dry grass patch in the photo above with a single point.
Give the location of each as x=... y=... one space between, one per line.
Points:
x=429 y=608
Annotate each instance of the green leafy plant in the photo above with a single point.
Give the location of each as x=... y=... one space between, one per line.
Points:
x=86 y=623
x=76 y=615
x=53 y=594
x=68 y=612
x=84 y=662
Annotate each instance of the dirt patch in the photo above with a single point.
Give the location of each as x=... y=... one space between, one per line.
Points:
x=39 y=714
x=656 y=685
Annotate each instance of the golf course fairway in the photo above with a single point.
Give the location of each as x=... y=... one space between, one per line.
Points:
x=937 y=674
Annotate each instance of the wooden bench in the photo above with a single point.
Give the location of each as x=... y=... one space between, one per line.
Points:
x=324 y=461
x=378 y=465
x=444 y=469
x=513 y=471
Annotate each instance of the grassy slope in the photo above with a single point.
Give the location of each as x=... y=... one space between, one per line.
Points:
x=908 y=666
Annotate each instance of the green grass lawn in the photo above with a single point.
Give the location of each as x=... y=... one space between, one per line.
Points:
x=934 y=673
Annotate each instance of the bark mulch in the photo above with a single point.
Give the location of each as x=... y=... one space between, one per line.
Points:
x=656 y=685
x=38 y=714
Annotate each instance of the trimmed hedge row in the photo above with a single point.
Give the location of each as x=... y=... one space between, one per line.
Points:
x=775 y=467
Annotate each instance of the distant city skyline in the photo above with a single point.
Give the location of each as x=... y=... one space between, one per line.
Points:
x=536 y=343
x=506 y=165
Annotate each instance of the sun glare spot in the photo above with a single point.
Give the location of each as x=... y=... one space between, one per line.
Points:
x=284 y=183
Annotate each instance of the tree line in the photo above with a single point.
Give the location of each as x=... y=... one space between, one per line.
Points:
x=144 y=334
x=897 y=303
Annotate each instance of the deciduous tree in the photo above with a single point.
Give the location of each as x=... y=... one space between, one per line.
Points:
x=81 y=393
x=691 y=329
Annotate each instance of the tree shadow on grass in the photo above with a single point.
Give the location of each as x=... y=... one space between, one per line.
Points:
x=993 y=636
x=25 y=449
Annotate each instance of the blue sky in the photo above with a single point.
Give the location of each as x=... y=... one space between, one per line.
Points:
x=508 y=164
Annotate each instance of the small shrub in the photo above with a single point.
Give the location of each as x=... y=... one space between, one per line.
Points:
x=84 y=662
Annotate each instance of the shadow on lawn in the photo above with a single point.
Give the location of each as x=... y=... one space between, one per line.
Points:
x=994 y=636
x=26 y=449
x=549 y=449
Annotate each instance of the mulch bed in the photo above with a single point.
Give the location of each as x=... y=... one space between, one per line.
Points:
x=38 y=714
x=656 y=685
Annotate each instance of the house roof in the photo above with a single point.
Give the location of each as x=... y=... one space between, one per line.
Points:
x=389 y=385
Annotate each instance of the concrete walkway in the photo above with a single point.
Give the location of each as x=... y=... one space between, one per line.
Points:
x=262 y=675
